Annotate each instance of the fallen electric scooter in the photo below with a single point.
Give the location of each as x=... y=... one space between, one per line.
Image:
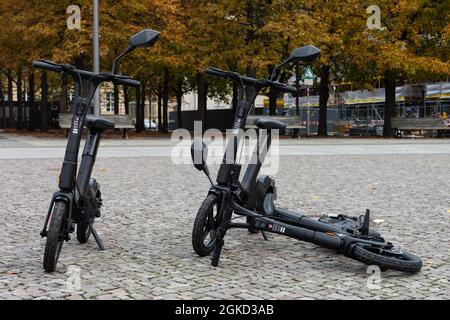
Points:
x=253 y=196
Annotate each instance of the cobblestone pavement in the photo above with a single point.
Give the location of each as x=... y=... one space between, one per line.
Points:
x=150 y=205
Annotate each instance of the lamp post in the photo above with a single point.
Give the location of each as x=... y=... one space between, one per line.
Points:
x=307 y=112
x=96 y=56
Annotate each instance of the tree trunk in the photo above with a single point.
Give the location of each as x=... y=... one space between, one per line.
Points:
x=389 y=105
x=81 y=62
x=138 y=108
x=126 y=100
x=44 y=101
x=252 y=17
x=31 y=101
x=2 y=105
x=297 y=86
x=202 y=91
x=234 y=101
x=273 y=95
x=63 y=96
x=160 y=108
x=165 y=128
x=142 y=112
x=149 y=99
x=116 y=99
x=10 y=100
x=20 y=117
x=250 y=72
x=179 y=96
x=324 y=94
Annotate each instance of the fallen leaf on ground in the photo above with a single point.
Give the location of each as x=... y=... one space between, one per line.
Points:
x=10 y=272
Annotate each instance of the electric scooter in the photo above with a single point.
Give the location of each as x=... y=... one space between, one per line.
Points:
x=253 y=196
x=79 y=199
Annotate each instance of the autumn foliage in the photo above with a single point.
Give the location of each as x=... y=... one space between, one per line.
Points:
x=246 y=36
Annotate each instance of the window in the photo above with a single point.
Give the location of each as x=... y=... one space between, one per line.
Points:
x=109 y=101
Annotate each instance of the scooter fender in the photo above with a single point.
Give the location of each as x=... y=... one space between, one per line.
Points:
x=349 y=244
x=67 y=197
x=264 y=185
x=217 y=191
x=221 y=193
x=90 y=203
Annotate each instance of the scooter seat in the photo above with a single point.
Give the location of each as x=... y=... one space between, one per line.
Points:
x=269 y=124
x=98 y=123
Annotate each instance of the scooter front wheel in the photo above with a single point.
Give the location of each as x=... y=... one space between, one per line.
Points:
x=205 y=226
x=394 y=259
x=55 y=236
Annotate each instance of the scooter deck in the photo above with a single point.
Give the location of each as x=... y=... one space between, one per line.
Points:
x=347 y=225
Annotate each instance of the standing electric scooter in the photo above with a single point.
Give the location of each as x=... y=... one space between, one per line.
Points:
x=78 y=199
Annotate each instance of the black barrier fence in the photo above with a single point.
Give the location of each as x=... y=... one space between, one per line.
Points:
x=31 y=116
x=222 y=119
x=309 y=120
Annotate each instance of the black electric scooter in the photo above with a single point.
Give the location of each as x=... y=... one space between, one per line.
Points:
x=78 y=200
x=253 y=196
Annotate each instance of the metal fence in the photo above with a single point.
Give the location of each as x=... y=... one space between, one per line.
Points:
x=28 y=121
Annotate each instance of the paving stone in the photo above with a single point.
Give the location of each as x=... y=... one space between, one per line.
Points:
x=150 y=205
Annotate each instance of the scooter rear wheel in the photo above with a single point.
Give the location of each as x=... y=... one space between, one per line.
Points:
x=251 y=230
x=205 y=226
x=83 y=232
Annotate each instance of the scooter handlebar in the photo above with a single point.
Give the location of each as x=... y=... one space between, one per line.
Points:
x=282 y=87
x=86 y=75
x=42 y=64
x=216 y=72
x=252 y=81
x=126 y=81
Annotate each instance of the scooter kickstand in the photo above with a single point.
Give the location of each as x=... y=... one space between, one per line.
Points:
x=96 y=237
x=266 y=238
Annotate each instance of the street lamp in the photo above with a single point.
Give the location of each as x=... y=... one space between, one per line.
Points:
x=96 y=56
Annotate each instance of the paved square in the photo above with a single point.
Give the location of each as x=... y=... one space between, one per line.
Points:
x=150 y=205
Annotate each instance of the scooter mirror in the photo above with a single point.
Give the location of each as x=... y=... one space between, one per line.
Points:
x=301 y=54
x=199 y=153
x=143 y=39
x=304 y=54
